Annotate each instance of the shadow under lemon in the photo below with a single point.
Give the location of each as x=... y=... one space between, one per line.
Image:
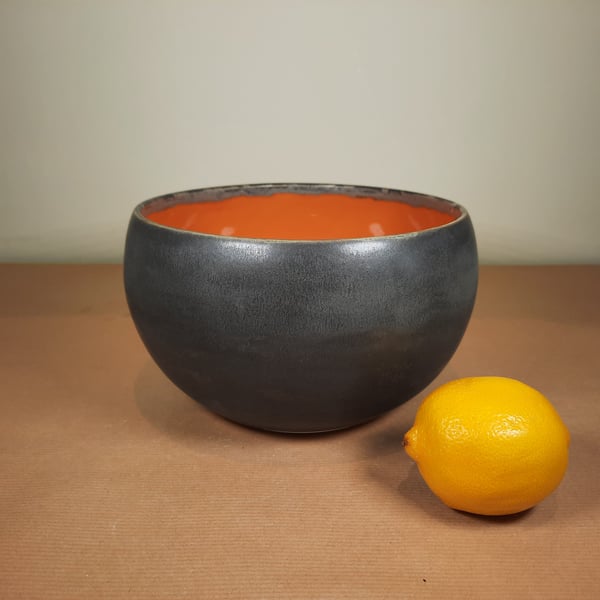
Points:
x=401 y=477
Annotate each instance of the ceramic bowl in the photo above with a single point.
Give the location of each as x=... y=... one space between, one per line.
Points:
x=300 y=335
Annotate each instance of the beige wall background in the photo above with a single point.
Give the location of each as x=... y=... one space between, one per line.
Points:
x=105 y=103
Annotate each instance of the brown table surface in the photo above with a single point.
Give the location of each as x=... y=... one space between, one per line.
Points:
x=116 y=485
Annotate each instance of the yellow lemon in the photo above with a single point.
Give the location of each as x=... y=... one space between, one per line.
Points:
x=489 y=445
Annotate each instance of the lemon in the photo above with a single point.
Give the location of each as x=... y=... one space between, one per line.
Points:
x=489 y=445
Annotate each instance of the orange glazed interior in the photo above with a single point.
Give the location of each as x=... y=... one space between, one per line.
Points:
x=289 y=216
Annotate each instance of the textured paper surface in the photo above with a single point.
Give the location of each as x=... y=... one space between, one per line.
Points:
x=113 y=484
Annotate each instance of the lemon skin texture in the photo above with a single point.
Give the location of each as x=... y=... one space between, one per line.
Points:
x=489 y=445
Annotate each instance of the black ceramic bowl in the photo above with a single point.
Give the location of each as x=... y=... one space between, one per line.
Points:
x=302 y=335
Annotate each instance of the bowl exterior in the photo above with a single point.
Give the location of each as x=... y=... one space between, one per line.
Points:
x=300 y=336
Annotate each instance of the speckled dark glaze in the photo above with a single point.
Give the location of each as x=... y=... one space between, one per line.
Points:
x=300 y=336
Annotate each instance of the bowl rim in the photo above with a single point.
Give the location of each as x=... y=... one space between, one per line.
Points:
x=358 y=191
